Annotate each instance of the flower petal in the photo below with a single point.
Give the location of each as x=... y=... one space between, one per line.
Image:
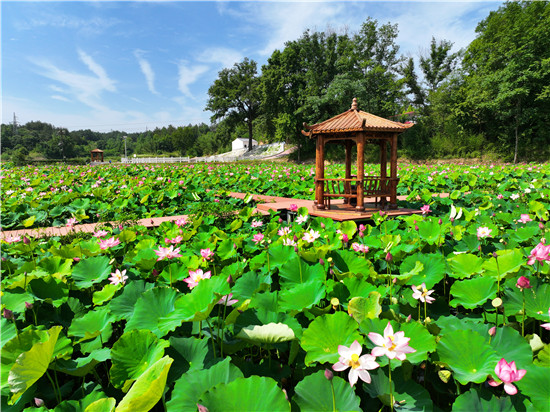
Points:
x=510 y=389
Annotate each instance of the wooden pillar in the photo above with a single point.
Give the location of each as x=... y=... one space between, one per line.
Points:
x=360 y=171
x=348 y=170
x=383 y=159
x=319 y=172
x=393 y=172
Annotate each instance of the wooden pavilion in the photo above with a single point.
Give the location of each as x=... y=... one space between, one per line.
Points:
x=96 y=155
x=359 y=128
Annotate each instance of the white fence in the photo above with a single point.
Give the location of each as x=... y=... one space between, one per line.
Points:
x=155 y=159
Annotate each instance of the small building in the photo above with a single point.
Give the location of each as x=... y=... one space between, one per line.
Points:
x=242 y=143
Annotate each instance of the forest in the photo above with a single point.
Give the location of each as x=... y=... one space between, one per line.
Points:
x=490 y=100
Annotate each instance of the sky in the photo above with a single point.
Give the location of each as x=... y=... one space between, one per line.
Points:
x=132 y=66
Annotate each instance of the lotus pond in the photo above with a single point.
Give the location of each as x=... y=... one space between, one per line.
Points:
x=445 y=310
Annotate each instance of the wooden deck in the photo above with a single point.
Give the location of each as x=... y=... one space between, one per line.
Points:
x=274 y=203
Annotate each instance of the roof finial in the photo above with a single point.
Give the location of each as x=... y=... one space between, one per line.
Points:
x=354 y=104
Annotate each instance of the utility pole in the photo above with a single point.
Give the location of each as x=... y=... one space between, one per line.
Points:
x=125 y=153
x=14 y=124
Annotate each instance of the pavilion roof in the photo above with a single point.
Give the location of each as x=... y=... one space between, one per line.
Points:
x=97 y=151
x=355 y=120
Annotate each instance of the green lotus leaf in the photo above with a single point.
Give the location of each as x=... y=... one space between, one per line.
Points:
x=522 y=234
x=301 y=296
x=346 y=261
x=146 y=258
x=49 y=290
x=270 y=333
x=192 y=385
x=55 y=265
x=189 y=353
x=14 y=299
x=358 y=287
x=105 y=294
x=314 y=393
x=280 y=254
x=349 y=228
x=421 y=340
x=473 y=401
x=508 y=343
x=248 y=284
x=122 y=307
x=174 y=272
x=197 y=305
x=127 y=235
x=147 y=389
x=323 y=336
x=91 y=270
x=509 y=262
x=7 y=329
x=543 y=357
x=450 y=323
x=242 y=395
x=93 y=324
x=32 y=364
x=537 y=301
x=471 y=293
x=429 y=230
x=155 y=311
x=361 y=308
x=82 y=366
x=408 y=394
x=102 y=405
x=468 y=354
x=464 y=265
x=226 y=250
x=296 y=271
x=132 y=354
x=434 y=268
x=536 y=385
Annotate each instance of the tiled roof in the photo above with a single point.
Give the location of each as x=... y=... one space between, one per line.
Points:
x=354 y=120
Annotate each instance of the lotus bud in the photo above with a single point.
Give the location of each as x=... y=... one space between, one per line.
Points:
x=229 y=279
x=202 y=408
x=280 y=220
x=321 y=262
x=296 y=249
x=541 y=225
x=328 y=374
x=414 y=221
x=295 y=238
x=8 y=314
x=452 y=219
x=361 y=235
x=416 y=227
x=155 y=272
x=523 y=283
x=345 y=238
x=26 y=240
x=331 y=272
x=28 y=305
x=495 y=255
x=38 y=402
x=389 y=257
x=322 y=225
x=409 y=318
x=493 y=331
x=440 y=221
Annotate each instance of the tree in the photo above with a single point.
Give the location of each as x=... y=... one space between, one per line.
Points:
x=507 y=76
x=235 y=95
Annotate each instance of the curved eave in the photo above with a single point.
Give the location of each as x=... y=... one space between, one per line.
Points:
x=312 y=133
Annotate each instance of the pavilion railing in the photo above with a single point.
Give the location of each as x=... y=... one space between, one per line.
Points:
x=373 y=187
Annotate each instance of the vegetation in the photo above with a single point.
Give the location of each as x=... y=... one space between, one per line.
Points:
x=491 y=99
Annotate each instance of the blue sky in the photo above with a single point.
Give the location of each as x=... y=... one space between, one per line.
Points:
x=129 y=66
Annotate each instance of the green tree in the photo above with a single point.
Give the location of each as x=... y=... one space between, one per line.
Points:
x=507 y=77
x=235 y=95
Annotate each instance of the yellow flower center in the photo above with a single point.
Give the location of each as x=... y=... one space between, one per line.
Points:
x=392 y=347
x=354 y=362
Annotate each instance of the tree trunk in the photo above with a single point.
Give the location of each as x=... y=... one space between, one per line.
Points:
x=249 y=133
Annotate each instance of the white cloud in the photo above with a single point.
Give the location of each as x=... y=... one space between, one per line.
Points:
x=62 y=98
x=147 y=71
x=85 y=88
x=189 y=75
x=224 y=56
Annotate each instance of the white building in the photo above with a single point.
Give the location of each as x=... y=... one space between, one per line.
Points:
x=242 y=143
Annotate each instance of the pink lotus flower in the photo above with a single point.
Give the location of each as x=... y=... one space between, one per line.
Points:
x=422 y=293
x=256 y=223
x=310 y=236
x=12 y=239
x=540 y=253
x=301 y=219
x=425 y=209
x=195 y=277
x=258 y=238
x=182 y=221
x=523 y=283
x=393 y=345
x=524 y=218
x=227 y=301
x=100 y=233
x=293 y=207
x=175 y=241
x=118 y=277
x=71 y=222
x=507 y=373
x=207 y=254
x=284 y=231
x=351 y=358
x=167 y=253
x=483 y=232
x=107 y=243
x=358 y=247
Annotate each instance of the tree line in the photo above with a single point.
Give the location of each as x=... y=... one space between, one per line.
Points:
x=492 y=98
